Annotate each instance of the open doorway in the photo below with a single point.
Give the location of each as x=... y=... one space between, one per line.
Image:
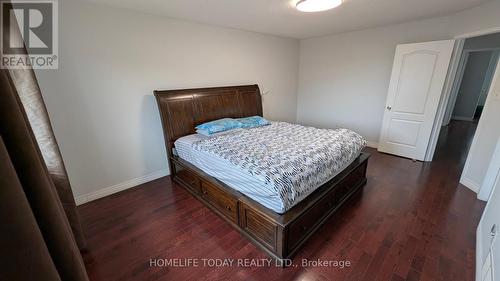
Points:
x=475 y=83
x=471 y=86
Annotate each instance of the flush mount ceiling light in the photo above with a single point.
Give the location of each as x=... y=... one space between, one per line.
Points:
x=317 y=5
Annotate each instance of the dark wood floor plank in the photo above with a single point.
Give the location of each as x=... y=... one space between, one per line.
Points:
x=413 y=221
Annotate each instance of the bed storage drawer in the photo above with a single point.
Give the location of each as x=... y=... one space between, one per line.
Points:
x=226 y=204
x=258 y=226
x=188 y=178
x=302 y=225
x=350 y=182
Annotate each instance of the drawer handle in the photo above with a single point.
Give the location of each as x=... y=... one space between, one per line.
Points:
x=228 y=208
x=205 y=192
x=304 y=228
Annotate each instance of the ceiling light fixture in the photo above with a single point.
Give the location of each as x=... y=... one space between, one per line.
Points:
x=317 y=5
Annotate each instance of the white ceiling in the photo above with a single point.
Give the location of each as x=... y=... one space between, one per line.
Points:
x=279 y=17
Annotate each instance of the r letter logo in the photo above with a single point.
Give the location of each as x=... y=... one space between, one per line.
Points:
x=29 y=34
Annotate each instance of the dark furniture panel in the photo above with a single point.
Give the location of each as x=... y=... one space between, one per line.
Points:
x=219 y=105
x=180 y=109
x=258 y=226
x=252 y=106
x=350 y=182
x=225 y=203
x=188 y=178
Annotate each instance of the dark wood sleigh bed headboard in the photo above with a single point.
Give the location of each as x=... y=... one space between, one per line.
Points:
x=181 y=110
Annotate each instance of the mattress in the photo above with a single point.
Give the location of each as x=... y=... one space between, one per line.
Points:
x=276 y=165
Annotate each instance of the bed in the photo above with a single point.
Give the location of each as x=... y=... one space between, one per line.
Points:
x=246 y=197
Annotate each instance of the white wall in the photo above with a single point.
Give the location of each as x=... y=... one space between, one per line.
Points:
x=343 y=78
x=471 y=86
x=480 y=18
x=100 y=99
x=485 y=139
x=488 y=76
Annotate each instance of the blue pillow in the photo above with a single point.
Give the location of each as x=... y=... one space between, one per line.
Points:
x=220 y=125
x=252 y=122
x=204 y=132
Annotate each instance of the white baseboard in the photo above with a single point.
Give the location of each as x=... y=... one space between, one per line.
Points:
x=461 y=118
x=103 y=192
x=372 y=144
x=472 y=185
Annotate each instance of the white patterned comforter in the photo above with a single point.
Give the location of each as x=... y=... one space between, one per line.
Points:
x=292 y=160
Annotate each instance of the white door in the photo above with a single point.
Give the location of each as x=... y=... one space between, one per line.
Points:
x=487 y=246
x=418 y=75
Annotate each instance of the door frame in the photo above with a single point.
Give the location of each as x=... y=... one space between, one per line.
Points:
x=449 y=86
x=457 y=81
x=464 y=60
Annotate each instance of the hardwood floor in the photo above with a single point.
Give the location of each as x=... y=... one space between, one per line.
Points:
x=413 y=221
